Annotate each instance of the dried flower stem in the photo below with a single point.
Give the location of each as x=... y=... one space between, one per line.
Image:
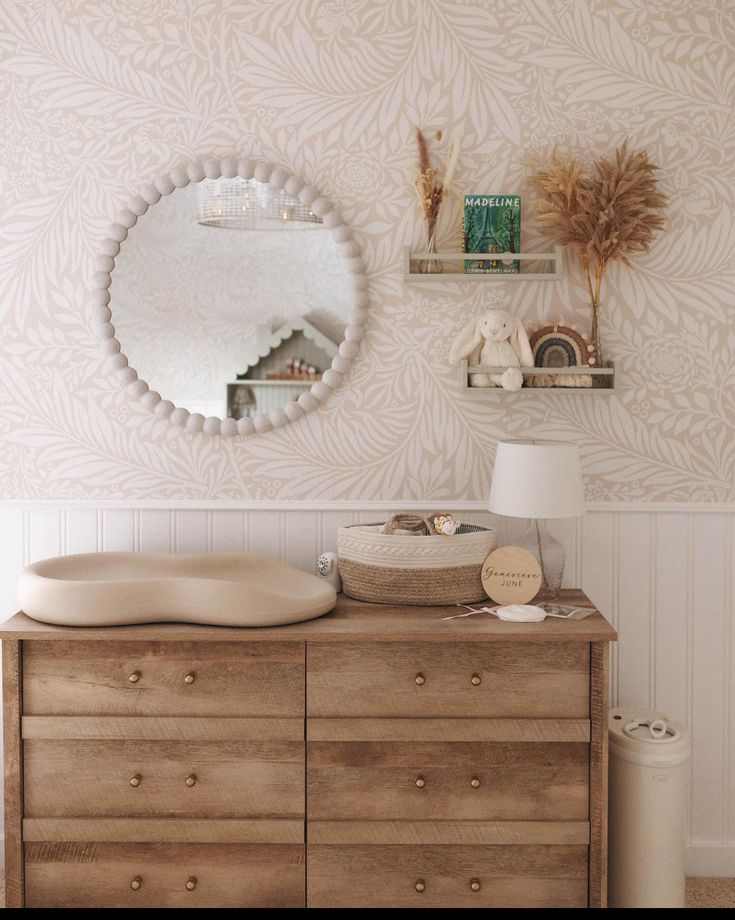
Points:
x=424 y=161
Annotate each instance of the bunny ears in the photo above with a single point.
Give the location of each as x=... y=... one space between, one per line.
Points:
x=468 y=341
x=521 y=345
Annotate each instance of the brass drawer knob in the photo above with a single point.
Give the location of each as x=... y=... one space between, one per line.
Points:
x=191 y=884
x=420 y=782
x=475 y=884
x=190 y=678
x=475 y=782
x=136 y=883
x=135 y=779
x=476 y=680
x=191 y=780
x=420 y=885
x=134 y=677
x=420 y=679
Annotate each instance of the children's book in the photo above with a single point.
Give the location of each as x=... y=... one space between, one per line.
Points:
x=492 y=223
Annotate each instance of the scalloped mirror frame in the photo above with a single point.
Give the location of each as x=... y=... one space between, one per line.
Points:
x=229 y=168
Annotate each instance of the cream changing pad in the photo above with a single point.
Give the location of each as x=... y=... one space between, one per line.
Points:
x=116 y=589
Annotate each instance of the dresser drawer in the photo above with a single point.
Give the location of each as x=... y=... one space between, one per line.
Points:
x=454 y=876
x=75 y=875
x=463 y=679
x=164 y=678
x=409 y=781
x=163 y=779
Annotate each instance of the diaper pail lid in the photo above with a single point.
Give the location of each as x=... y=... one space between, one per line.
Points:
x=648 y=736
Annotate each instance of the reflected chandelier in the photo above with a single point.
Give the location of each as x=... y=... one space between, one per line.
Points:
x=246 y=204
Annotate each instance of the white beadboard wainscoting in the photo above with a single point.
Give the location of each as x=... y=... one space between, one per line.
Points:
x=663 y=574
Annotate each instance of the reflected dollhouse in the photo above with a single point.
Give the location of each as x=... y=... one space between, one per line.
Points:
x=298 y=356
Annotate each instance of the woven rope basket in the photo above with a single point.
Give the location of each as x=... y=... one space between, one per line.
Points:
x=418 y=570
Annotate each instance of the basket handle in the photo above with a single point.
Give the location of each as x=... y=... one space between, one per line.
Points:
x=407 y=520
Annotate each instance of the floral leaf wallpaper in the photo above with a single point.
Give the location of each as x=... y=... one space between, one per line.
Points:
x=96 y=96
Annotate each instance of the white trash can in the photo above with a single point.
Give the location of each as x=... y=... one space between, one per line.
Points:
x=649 y=753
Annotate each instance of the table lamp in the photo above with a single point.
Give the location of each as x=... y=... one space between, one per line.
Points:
x=538 y=479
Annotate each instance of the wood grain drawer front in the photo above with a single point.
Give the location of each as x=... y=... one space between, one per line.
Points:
x=456 y=876
x=376 y=781
x=128 y=779
x=164 y=678
x=74 y=875
x=463 y=679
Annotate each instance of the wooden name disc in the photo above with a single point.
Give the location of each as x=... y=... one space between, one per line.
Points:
x=511 y=575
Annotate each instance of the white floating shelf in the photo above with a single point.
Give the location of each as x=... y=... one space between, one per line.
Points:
x=258 y=382
x=411 y=257
x=603 y=378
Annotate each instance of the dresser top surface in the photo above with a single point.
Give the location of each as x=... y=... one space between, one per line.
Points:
x=351 y=620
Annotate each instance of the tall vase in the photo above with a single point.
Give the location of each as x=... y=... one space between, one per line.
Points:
x=430 y=266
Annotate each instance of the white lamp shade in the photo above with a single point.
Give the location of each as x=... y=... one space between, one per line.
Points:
x=537 y=479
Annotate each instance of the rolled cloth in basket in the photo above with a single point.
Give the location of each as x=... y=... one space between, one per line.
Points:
x=406 y=522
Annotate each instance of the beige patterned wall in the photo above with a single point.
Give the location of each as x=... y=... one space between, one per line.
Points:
x=98 y=95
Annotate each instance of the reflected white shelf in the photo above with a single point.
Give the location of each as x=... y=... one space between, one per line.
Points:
x=411 y=257
x=255 y=381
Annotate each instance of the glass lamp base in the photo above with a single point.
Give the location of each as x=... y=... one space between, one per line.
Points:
x=550 y=554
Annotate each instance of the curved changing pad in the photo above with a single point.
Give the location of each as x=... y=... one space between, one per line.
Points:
x=116 y=589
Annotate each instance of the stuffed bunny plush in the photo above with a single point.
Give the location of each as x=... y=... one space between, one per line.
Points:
x=497 y=339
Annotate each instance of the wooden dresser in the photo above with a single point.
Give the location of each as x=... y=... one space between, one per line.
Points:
x=376 y=757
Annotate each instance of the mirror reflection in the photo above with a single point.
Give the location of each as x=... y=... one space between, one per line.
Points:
x=229 y=298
